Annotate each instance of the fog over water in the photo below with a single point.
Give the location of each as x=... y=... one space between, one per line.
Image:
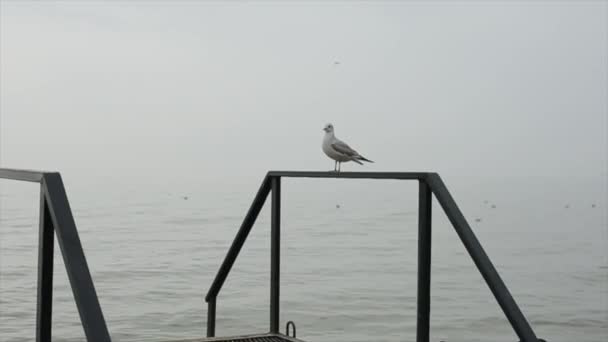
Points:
x=139 y=104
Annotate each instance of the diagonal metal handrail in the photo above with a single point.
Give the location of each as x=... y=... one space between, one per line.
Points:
x=482 y=261
x=233 y=252
x=430 y=183
x=239 y=240
x=56 y=217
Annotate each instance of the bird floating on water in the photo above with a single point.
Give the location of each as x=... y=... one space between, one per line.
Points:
x=338 y=150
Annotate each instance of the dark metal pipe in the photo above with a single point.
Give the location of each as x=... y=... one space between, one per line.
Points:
x=275 y=254
x=211 y=318
x=424 y=262
x=361 y=175
x=483 y=263
x=46 y=241
x=239 y=240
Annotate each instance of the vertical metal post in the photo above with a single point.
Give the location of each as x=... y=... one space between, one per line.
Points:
x=424 y=262
x=211 y=318
x=44 y=309
x=275 y=253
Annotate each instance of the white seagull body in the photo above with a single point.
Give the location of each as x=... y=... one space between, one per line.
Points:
x=338 y=150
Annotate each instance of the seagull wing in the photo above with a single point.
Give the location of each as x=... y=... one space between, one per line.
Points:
x=343 y=148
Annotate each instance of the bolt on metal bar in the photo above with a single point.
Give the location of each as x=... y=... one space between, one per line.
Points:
x=483 y=263
x=424 y=262
x=275 y=254
x=44 y=308
x=75 y=262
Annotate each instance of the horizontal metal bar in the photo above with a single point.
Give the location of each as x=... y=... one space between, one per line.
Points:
x=239 y=240
x=481 y=259
x=23 y=175
x=36 y=176
x=359 y=175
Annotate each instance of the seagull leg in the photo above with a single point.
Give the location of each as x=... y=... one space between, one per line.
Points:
x=339 y=166
x=336 y=166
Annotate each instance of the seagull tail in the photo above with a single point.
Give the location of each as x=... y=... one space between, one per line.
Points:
x=356 y=161
x=365 y=159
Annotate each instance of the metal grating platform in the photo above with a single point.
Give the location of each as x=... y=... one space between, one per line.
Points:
x=259 y=339
x=248 y=338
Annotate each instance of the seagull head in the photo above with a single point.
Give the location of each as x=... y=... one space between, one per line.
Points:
x=329 y=128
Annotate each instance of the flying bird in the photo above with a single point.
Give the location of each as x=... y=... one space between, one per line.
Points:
x=338 y=150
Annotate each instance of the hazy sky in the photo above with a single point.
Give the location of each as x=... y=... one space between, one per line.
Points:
x=202 y=89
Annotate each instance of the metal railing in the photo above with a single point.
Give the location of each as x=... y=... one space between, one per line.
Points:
x=429 y=184
x=56 y=218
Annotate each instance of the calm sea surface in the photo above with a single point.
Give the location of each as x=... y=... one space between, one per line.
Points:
x=348 y=272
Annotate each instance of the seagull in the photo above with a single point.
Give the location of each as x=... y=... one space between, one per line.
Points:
x=338 y=150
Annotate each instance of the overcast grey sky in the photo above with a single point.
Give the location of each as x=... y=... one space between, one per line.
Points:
x=228 y=89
